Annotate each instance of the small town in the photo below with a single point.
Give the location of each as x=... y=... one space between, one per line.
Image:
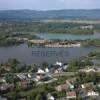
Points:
x=49 y=49
x=76 y=80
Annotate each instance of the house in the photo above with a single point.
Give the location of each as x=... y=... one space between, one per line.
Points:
x=3 y=87
x=61 y=87
x=50 y=97
x=83 y=86
x=40 y=71
x=92 y=93
x=65 y=67
x=87 y=27
x=40 y=74
x=71 y=95
x=87 y=85
x=6 y=86
x=25 y=84
x=21 y=76
x=59 y=70
x=46 y=70
x=3 y=98
x=58 y=63
x=98 y=70
x=70 y=83
x=87 y=70
x=29 y=75
x=38 y=41
x=98 y=85
x=2 y=80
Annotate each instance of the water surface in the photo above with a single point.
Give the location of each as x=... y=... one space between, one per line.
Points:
x=67 y=36
x=29 y=55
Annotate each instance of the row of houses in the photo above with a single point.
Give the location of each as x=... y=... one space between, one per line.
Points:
x=90 y=69
x=85 y=90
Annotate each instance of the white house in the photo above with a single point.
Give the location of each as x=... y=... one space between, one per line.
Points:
x=86 y=85
x=88 y=70
x=21 y=76
x=82 y=86
x=2 y=80
x=46 y=70
x=29 y=76
x=40 y=71
x=50 y=97
x=59 y=63
x=65 y=67
x=40 y=74
x=92 y=93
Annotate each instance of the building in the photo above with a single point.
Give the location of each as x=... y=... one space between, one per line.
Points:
x=92 y=93
x=29 y=76
x=87 y=27
x=2 y=80
x=3 y=87
x=58 y=70
x=40 y=74
x=70 y=83
x=40 y=71
x=3 y=98
x=65 y=67
x=61 y=87
x=6 y=86
x=21 y=76
x=87 y=70
x=71 y=95
x=46 y=70
x=38 y=41
x=25 y=84
x=58 y=63
x=50 y=97
x=87 y=85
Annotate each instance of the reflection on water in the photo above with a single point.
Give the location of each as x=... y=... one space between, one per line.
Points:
x=36 y=55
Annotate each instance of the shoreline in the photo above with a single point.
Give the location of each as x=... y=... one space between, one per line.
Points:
x=59 y=46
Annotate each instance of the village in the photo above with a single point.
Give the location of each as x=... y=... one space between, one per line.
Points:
x=83 y=84
x=49 y=49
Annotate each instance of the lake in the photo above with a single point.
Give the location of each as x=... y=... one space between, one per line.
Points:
x=67 y=36
x=30 y=55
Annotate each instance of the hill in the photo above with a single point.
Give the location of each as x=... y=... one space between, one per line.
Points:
x=51 y=14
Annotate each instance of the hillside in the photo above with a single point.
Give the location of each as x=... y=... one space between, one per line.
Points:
x=51 y=14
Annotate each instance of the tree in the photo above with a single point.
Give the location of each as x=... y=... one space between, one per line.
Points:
x=9 y=78
x=44 y=65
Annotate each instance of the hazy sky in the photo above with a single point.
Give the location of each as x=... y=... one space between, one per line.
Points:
x=49 y=4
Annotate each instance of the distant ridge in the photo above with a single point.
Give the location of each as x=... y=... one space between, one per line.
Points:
x=50 y=14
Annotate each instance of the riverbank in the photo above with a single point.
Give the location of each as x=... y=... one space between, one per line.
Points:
x=57 y=45
x=54 y=43
x=10 y=39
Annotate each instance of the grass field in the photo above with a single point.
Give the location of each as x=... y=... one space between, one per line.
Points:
x=74 y=21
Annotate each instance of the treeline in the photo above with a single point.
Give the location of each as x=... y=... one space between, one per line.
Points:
x=4 y=41
x=91 y=42
x=9 y=39
x=75 y=65
x=50 y=27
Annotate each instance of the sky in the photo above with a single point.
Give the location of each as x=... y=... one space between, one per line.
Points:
x=49 y=4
